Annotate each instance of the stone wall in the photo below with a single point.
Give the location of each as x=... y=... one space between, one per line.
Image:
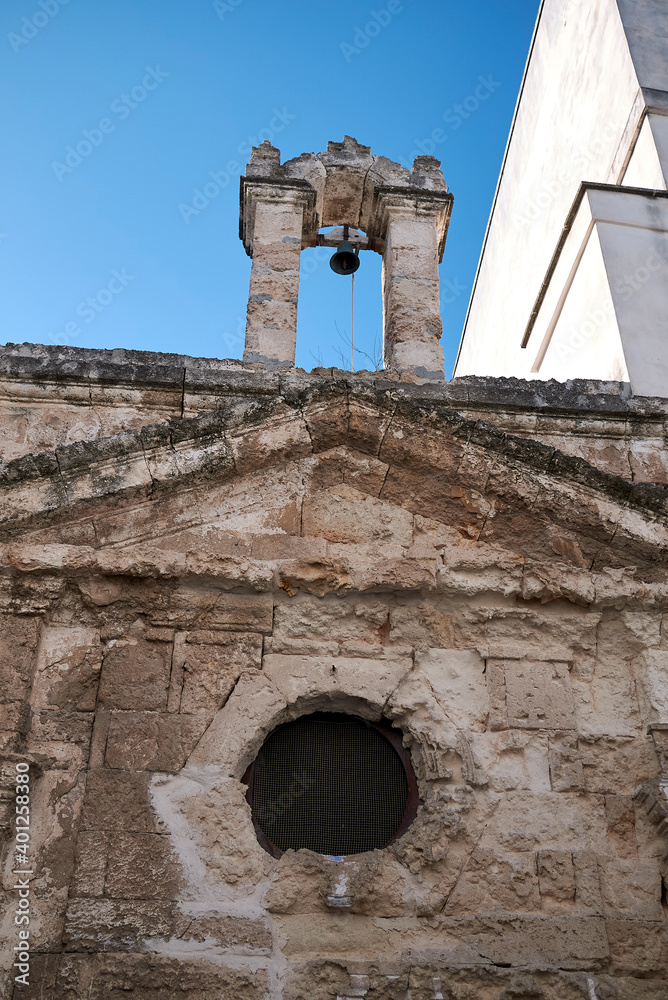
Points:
x=54 y=396
x=169 y=597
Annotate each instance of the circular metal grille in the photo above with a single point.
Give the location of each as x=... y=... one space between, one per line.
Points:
x=334 y=784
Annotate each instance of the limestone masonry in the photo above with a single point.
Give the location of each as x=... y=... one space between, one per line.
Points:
x=194 y=552
x=188 y=548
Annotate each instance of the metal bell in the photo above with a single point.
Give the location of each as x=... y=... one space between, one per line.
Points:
x=345 y=260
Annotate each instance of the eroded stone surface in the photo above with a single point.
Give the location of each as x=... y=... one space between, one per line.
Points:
x=340 y=547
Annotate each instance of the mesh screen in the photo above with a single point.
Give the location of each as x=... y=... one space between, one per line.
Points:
x=332 y=784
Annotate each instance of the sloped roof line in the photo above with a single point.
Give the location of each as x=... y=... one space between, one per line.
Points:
x=309 y=422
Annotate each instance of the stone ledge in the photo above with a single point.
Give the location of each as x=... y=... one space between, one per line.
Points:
x=43 y=363
x=405 y=403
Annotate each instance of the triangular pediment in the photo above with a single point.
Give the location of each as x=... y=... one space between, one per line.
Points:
x=333 y=491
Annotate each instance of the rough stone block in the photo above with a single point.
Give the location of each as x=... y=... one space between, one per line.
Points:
x=538 y=695
x=115 y=925
x=621 y=825
x=118 y=800
x=91 y=863
x=457 y=678
x=513 y=759
x=55 y=803
x=617 y=765
x=639 y=948
x=282 y=438
x=587 y=882
x=660 y=740
x=418 y=711
x=333 y=684
x=147 y=741
x=566 y=770
x=220 y=828
x=627 y=634
x=135 y=675
x=154 y=978
x=340 y=465
x=528 y=940
x=190 y=607
x=279 y=546
x=495 y=881
x=237 y=732
x=329 y=935
x=18 y=645
x=631 y=889
x=47 y=915
x=526 y=821
x=43 y=979
x=141 y=866
x=327 y=422
x=65 y=736
x=606 y=701
x=312 y=618
x=212 y=670
x=537 y=633
x=68 y=669
x=14 y=718
x=343 y=514
x=556 y=875
x=496 y=683
x=651 y=671
x=368 y=424
x=239 y=934
x=424 y=625
x=301 y=647
x=305 y=883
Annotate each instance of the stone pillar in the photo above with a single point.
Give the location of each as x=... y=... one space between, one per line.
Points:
x=414 y=225
x=272 y=227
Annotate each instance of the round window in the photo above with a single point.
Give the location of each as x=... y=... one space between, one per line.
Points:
x=334 y=784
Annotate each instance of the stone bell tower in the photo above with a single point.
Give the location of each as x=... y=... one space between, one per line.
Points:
x=401 y=214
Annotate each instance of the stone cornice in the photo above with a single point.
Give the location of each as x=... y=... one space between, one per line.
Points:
x=304 y=419
x=254 y=189
x=59 y=366
x=435 y=203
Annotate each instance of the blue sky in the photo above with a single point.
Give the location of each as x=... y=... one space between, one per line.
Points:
x=115 y=114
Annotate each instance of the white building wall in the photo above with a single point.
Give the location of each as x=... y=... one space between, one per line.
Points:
x=585 y=340
x=595 y=70
x=646 y=26
x=645 y=166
